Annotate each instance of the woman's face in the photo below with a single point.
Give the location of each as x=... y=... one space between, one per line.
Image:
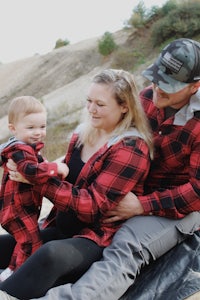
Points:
x=105 y=112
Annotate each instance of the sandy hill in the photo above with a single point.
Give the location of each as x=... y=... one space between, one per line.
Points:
x=59 y=78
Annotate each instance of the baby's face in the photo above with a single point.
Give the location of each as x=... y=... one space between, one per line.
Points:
x=31 y=128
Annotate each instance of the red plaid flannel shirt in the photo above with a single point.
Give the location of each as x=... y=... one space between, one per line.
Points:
x=104 y=180
x=173 y=184
x=20 y=204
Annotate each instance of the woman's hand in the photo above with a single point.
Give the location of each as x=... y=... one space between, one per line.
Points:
x=11 y=165
x=13 y=173
x=128 y=207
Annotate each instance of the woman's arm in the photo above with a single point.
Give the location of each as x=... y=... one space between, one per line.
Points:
x=102 y=182
x=174 y=202
x=62 y=170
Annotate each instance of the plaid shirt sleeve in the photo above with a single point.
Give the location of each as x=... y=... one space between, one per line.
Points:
x=103 y=181
x=178 y=201
x=26 y=159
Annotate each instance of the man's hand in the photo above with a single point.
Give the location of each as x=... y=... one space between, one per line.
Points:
x=128 y=207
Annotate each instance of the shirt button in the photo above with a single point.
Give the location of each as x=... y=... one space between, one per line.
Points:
x=160 y=132
x=150 y=213
x=52 y=172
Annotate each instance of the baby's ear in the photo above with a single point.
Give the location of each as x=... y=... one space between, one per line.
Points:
x=11 y=127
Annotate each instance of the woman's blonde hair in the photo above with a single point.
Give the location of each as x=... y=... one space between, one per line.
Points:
x=23 y=106
x=126 y=94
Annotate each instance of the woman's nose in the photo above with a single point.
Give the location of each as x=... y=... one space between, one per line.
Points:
x=92 y=108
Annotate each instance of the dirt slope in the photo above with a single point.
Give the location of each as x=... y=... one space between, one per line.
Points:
x=59 y=78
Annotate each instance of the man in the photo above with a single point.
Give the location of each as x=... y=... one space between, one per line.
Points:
x=169 y=210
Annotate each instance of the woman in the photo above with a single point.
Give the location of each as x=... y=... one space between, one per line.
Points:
x=108 y=156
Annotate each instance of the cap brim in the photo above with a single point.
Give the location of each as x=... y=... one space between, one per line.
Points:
x=163 y=81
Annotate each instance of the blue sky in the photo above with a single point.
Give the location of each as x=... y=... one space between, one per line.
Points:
x=28 y=27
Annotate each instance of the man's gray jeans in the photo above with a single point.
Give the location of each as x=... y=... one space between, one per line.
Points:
x=140 y=240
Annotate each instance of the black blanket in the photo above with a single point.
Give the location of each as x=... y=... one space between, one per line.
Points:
x=175 y=276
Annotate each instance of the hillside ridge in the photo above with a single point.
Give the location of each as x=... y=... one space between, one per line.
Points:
x=59 y=78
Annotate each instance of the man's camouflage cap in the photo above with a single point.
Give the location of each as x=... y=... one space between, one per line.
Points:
x=177 y=65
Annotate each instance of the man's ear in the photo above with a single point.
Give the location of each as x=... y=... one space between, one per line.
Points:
x=11 y=127
x=196 y=86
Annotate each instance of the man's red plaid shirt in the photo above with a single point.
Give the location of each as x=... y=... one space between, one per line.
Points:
x=173 y=184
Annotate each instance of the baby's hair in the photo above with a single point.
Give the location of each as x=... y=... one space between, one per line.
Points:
x=23 y=106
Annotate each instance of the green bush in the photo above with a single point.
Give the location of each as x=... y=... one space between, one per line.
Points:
x=182 y=21
x=141 y=16
x=60 y=43
x=138 y=18
x=106 y=44
x=167 y=8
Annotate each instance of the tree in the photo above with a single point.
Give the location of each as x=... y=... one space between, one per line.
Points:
x=106 y=44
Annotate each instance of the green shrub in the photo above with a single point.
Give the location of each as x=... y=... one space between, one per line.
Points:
x=167 y=8
x=60 y=43
x=138 y=18
x=141 y=16
x=106 y=44
x=182 y=21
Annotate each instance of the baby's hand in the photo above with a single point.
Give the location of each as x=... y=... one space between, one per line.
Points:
x=63 y=169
